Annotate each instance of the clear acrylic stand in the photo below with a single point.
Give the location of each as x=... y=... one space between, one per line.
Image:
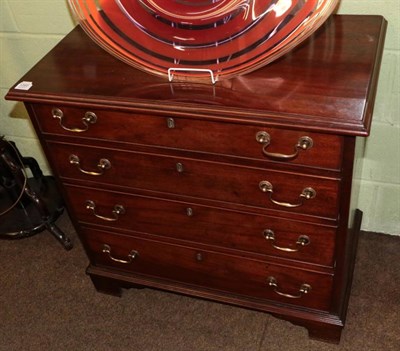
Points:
x=171 y=74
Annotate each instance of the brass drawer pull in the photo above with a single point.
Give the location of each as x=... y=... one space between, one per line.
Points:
x=304 y=143
x=88 y=118
x=304 y=289
x=303 y=240
x=132 y=255
x=118 y=210
x=307 y=194
x=102 y=165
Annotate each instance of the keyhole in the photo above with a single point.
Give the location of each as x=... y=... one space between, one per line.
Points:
x=170 y=123
x=179 y=167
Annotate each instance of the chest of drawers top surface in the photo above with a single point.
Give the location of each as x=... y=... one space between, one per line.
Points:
x=325 y=84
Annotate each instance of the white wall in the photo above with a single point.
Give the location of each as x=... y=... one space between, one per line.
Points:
x=380 y=175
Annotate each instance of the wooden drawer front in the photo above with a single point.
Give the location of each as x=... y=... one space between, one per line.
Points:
x=190 y=134
x=230 y=273
x=212 y=226
x=209 y=180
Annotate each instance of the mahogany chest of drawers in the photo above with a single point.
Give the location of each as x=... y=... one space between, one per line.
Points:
x=238 y=192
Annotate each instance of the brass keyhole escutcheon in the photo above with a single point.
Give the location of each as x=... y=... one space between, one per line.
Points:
x=199 y=257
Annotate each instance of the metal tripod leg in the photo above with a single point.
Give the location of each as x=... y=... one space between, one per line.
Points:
x=59 y=235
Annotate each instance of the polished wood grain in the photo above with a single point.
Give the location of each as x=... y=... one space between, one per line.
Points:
x=201 y=179
x=229 y=139
x=322 y=85
x=190 y=265
x=186 y=165
x=199 y=224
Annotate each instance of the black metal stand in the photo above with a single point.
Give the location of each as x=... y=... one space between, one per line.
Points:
x=27 y=205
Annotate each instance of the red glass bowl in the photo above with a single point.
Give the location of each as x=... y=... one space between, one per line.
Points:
x=203 y=39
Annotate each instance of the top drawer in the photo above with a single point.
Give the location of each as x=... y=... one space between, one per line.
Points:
x=238 y=140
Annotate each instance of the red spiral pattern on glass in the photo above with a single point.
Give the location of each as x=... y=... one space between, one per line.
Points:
x=225 y=37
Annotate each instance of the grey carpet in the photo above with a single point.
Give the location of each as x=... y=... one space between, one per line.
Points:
x=48 y=303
